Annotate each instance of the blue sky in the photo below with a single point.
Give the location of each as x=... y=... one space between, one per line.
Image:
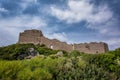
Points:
x=72 y=21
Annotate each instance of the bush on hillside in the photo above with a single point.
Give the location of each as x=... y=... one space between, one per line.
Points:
x=13 y=51
x=72 y=66
x=19 y=51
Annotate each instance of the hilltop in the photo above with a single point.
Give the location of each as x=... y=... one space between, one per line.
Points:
x=47 y=66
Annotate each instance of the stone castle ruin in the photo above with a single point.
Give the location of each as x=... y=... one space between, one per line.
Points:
x=36 y=37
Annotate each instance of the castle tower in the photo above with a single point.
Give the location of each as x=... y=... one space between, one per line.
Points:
x=30 y=36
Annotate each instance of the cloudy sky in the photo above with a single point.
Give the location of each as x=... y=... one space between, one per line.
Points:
x=72 y=21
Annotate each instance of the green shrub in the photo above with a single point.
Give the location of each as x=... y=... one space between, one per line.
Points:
x=75 y=53
x=12 y=52
x=46 y=51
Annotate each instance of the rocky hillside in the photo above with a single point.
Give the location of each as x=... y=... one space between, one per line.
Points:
x=22 y=51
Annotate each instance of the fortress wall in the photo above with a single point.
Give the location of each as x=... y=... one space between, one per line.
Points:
x=97 y=47
x=82 y=48
x=92 y=47
x=106 y=47
x=36 y=37
x=55 y=44
x=45 y=41
x=61 y=45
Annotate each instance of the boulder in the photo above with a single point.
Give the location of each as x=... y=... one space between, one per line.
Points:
x=59 y=54
x=31 y=52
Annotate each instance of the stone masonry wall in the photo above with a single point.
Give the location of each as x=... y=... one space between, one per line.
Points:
x=55 y=44
x=30 y=36
x=36 y=37
x=92 y=47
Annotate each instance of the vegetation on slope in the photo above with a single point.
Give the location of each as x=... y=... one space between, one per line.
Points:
x=13 y=52
x=72 y=66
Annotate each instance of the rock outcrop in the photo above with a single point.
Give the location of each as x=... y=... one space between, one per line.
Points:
x=29 y=54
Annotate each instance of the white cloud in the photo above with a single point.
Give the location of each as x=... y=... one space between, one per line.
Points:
x=97 y=17
x=60 y=36
x=3 y=9
x=25 y=3
x=10 y=28
x=23 y=21
x=17 y=24
x=100 y=18
x=76 y=12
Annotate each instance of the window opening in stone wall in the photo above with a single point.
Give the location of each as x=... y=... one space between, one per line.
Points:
x=96 y=51
x=87 y=46
x=51 y=46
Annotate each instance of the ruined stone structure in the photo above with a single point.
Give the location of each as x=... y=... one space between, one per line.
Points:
x=36 y=37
